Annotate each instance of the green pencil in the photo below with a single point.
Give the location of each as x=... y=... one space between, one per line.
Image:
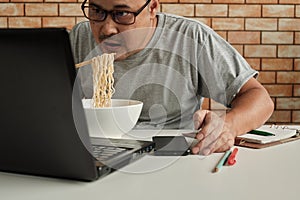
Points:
x=262 y=133
x=222 y=161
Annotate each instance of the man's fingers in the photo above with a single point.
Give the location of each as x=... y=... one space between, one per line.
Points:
x=210 y=136
x=226 y=146
x=199 y=117
x=224 y=143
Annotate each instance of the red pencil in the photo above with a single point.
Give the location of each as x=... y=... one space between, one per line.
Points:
x=231 y=159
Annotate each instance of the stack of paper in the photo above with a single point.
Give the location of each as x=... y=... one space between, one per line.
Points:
x=280 y=133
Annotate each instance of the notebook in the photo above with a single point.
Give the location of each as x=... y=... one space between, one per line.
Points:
x=268 y=135
x=43 y=126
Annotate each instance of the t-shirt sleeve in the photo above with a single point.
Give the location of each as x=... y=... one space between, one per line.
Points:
x=222 y=69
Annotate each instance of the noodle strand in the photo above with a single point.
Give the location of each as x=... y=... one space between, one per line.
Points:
x=103 y=79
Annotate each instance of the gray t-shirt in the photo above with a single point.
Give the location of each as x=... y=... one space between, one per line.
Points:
x=184 y=61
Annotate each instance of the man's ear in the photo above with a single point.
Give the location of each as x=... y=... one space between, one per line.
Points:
x=154 y=7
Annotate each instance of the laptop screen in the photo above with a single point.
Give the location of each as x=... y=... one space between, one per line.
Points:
x=37 y=126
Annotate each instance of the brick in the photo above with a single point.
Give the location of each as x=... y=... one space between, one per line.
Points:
x=255 y=51
x=254 y=63
x=66 y=22
x=298 y=11
x=159 y=9
x=297 y=38
x=288 y=77
x=205 y=104
x=280 y=116
x=296 y=91
x=3 y=22
x=297 y=64
x=239 y=48
x=194 y=1
x=261 y=24
x=228 y=1
x=41 y=9
x=206 y=21
x=277 y=64
x=289 y=2
x=278 y=11
x=289 y=24
x=4 y=1
x=228 y=24
x=223 y=34
x=24 y=22
x=26 y=1
x=169 y=1
x=262 y=1
x=70 y=9
x=80 y=19
x=243 y=37
x=277 y=37
x=296 y=116
x=244 y=10
x=61 y=1
x=272 y=98
x=289 y=51
x=211 y=10
x=279 y=90
x=288 y=103
x=266 y=77
x=11 y=9
x=179 y=9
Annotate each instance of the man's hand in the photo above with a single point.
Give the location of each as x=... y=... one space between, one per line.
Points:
x=215 y=134
x=250 y=108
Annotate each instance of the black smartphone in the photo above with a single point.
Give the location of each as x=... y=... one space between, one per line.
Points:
x=170 y=146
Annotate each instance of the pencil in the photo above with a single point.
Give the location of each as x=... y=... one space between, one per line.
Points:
x=222 y=161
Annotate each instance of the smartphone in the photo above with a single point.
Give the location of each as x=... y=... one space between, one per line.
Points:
x=171 y=146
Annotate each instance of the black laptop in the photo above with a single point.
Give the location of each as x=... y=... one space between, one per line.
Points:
x=43 y=126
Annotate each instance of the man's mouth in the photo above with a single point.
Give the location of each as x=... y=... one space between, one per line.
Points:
x=111 y=45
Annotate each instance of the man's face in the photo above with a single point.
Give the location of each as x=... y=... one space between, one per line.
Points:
x=118 y=38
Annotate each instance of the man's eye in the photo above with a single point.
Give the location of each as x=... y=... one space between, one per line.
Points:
x=96 y=10
x=122 y=13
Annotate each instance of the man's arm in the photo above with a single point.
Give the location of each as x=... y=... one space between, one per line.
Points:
x=251 y=108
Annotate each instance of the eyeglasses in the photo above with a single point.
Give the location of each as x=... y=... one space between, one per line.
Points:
x=94 y=13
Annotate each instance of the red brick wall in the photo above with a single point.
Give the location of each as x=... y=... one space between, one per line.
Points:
x=265 y=32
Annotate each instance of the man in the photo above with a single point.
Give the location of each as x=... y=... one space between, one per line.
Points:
x=170 y=63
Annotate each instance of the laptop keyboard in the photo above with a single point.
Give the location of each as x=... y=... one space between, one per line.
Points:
x=107 y=152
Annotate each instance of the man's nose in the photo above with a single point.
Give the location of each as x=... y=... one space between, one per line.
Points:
x=109 y=27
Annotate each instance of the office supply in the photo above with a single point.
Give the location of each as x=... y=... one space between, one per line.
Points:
x=43 y=126
x=222 y=161
x=231 y=159
x=282 y=134
x=171 y=146
x=262 y=133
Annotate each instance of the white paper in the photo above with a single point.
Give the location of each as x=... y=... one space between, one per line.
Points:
x=281 y=132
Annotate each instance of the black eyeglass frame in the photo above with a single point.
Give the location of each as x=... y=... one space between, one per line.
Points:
x=111 y=13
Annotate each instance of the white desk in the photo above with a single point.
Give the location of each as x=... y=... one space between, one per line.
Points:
x=271 y=173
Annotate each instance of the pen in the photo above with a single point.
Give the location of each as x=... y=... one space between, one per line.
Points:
x=222 y=161
x=231 y=159
x=262 y=133
x=191 y=134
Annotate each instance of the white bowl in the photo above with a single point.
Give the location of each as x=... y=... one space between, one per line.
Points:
x=114 y=121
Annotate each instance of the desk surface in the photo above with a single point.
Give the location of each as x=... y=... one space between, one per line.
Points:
x=270 y=173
